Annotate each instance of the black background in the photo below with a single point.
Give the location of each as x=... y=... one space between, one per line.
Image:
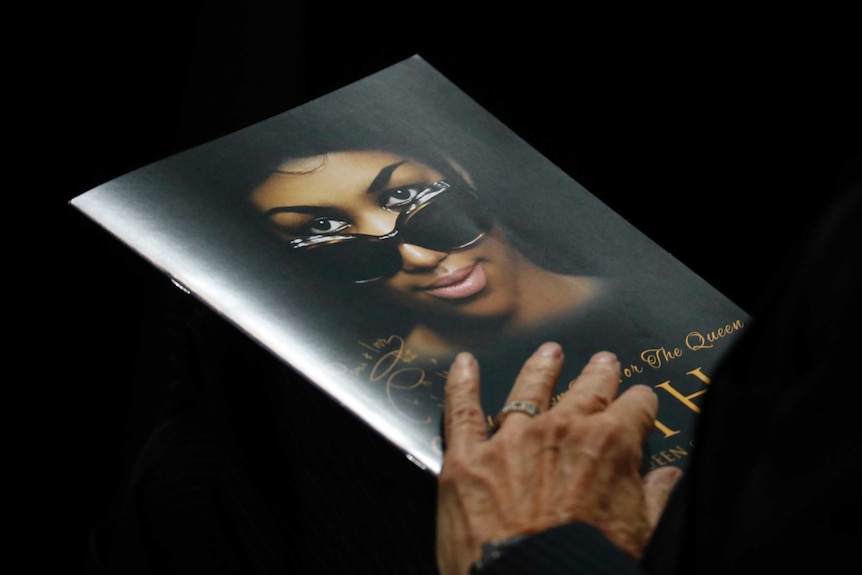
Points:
x=719 y=135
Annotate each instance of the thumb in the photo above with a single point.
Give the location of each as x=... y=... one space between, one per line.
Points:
x=658 y=484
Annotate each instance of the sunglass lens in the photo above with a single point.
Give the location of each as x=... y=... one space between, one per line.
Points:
x=450 y=222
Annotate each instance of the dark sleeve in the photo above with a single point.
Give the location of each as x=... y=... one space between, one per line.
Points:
x=773 y=485
x=571 y=549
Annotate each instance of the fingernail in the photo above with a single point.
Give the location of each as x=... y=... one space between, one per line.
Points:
x=463 y=359
x=550 y=349
x=603 y=357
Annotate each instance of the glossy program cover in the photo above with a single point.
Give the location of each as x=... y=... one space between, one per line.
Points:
x=367 y=236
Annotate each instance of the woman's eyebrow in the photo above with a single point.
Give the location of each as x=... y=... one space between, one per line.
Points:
x=310 y=210
x=381 y=181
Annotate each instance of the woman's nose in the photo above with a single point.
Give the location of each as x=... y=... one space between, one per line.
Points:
x=415 y=257
x=378 y=223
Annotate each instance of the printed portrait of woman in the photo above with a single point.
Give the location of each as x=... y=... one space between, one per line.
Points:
x=419 y=235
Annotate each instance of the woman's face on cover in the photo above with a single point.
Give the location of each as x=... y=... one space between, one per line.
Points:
x=362 y=192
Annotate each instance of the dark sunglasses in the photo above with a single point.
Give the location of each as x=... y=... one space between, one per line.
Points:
x=442 y=218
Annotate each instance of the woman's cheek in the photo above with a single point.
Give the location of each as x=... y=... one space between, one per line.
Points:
x=398 y=292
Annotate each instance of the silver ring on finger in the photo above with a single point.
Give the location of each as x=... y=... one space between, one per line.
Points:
x=525 y=407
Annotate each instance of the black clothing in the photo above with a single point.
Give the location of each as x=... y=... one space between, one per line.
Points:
x=774 y=484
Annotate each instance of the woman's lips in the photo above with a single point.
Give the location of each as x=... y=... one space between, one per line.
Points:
x=461 y=283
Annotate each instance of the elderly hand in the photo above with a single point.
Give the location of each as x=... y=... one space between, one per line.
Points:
x=579 y=461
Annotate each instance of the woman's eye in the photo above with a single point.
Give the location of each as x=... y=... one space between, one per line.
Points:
x=323 y=226
x=400 y=197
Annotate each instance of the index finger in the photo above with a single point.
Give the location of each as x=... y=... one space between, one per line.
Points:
x=463 y=418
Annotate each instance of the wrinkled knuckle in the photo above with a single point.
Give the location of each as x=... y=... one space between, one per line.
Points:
x=614 y=429
x=464 y=414
x=593 y=403
x=551 y=425
x=599 y=402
